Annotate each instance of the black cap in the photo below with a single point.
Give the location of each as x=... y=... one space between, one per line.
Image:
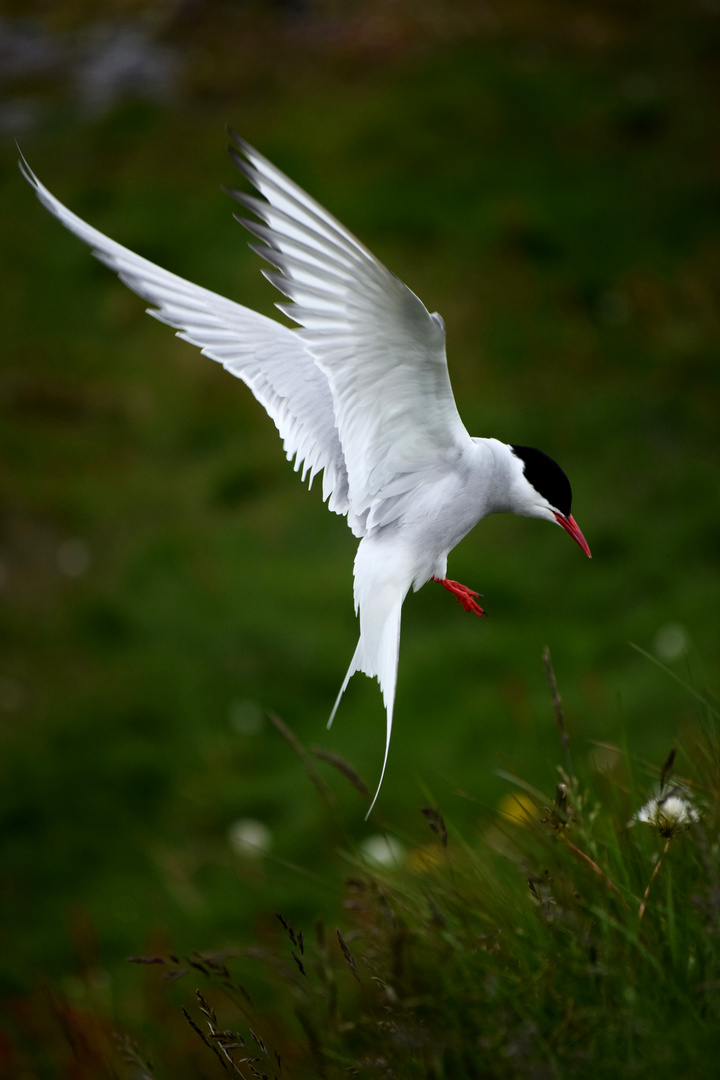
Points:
x=546 y=477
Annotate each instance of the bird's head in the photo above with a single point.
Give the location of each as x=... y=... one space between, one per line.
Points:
x=541 y=489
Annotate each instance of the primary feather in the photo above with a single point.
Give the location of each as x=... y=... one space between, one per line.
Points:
x=269 y=357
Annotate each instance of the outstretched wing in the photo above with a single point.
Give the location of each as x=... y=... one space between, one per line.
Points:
x=271 y=359
x=383 y=353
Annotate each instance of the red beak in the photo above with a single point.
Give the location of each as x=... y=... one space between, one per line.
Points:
x=570 y=526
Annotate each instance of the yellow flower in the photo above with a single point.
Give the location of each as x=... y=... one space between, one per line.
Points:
x=519 y=809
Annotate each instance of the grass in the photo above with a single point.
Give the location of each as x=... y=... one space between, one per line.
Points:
x=568 y=936
x=549 y=184
x=572 y=931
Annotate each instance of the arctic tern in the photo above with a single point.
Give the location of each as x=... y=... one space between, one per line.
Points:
x=359 y=391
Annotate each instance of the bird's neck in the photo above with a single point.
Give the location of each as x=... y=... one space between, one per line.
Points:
x=502 y=477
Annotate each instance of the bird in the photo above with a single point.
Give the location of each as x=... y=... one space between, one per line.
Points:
x=359 y=391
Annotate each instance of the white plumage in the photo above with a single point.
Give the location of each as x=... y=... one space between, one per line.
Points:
x=360 y=391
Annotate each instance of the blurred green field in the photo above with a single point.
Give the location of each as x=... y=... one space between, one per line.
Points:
x=548 y=181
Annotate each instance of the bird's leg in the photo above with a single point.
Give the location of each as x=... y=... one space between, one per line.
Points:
x=462 y=594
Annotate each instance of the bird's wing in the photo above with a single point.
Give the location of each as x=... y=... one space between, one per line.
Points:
x=383 y=352
x=270 y=358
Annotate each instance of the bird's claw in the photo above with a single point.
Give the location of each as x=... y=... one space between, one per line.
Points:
x=463 y=595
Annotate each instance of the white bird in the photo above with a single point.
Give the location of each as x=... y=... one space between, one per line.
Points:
x=361 y=392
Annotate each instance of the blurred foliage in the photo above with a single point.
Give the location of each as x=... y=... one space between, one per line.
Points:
x=577 y=932
x=546 y=176
x=563 y=942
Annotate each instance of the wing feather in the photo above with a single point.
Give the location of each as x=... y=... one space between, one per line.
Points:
x=271 y=359
x=383 y=352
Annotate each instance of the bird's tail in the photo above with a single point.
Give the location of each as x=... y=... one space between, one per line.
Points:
x=379 y=597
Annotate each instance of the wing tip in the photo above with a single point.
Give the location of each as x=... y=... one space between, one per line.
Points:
x=244 y=156
x=25 y=169
x=237 y=141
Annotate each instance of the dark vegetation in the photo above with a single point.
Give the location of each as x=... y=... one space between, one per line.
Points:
x=518 y=957
x=545 y=176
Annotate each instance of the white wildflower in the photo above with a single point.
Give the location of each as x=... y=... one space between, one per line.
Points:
x=382 y=850
x=671 y=641
x=249 y=837
x=668 y=811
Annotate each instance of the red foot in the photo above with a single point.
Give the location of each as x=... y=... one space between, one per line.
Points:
x=462 y=594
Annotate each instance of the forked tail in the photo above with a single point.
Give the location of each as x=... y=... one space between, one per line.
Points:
x=378 y=598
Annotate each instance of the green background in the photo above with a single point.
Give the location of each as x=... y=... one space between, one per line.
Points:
x=546 y=177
